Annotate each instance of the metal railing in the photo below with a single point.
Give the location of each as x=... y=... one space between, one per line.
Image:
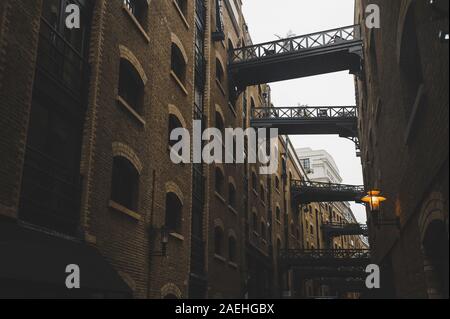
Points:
x=318 y=254
x=343 y=229
x=305 y=112
x=327 y=38
x=300 y=185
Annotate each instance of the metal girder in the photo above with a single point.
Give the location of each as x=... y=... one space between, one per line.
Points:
x=312 y=54
x=326 y=258
x=341 y=229
x=339 y=120
x=306 y=192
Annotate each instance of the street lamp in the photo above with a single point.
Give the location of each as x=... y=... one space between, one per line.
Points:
x=374 y=199
x=164 y=235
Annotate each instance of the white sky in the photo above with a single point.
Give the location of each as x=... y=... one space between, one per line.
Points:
x=268 y=18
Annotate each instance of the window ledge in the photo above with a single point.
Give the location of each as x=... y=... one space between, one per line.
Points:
x=220 y=258
x=233 y=110
x=233 y=210
x=176 y=236
x=219 y=85
x=183 y=18
x=130 y=110
x=220 y=197
x=255 y=192
x=178 y=81
x=121 y=209
x=136 y=23
x=233 y=265
x=278 y=222
x=418 y=103
x=263 y=203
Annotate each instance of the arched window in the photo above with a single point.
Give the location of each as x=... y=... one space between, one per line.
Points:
x=232 y=249
x=220 y=74
x=183 y=6
x=218 y=241
x=255 y=222
x=139 y=9
x=254 y=181
x=263 y=230
x=278 y=247
x=278 y=214
x=125 y=183
x=219 y=178
x=262 y=193
x=277 y=182
x=174 y=123
x=174 y=213
x=232 y=195
x=178 y=63
x=410 y=61
x=131 y=87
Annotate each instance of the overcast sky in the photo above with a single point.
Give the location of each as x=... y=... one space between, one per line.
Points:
x=268 y=19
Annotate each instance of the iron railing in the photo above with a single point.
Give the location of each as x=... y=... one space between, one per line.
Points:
x=305 y=112
x=300 y=185
x=345 y=229
x=323 y=254
x=296 y=44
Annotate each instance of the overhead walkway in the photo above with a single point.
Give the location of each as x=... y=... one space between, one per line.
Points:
x=340 y=229
x=296 y=57
x=325 y=258
x=306 y=192
x=304 y=120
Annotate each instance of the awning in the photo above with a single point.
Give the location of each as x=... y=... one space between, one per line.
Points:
x=27 y=255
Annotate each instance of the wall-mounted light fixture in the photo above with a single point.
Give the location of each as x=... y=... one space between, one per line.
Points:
x=164 y=240
x=374 y=200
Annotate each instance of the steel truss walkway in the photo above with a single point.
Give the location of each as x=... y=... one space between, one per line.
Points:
x=340 y=120
x=340 y=229
x=326 y=258
x=306 y=55
x=306 y=192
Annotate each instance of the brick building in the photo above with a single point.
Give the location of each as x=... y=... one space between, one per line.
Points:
x=403 y=101
x=86 y=175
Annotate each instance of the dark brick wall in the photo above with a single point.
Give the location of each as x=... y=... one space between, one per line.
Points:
x=408 y=162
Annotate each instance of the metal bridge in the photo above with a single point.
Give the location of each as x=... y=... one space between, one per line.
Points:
x=342 y=229
x=306 y=192
x=340 y=120
x=306 y=55
x=326 y=259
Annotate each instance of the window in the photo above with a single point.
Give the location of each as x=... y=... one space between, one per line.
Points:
x=232 y=195
x=138 y=8
x=311 y=229
x=254 y=181
x=410 y=61
x=262 y=193
x=218 y=241
x=219 y=181
x=174 y=123
x=183 y=5
x=263 y=230
x=131 y=87
x=232 y=251
x=219 y=72
x=277 y=182
x=306 y=163
x=174 y=213
x=255 y=222
x=178 y=63
x=278 y=214
x=125 y=183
